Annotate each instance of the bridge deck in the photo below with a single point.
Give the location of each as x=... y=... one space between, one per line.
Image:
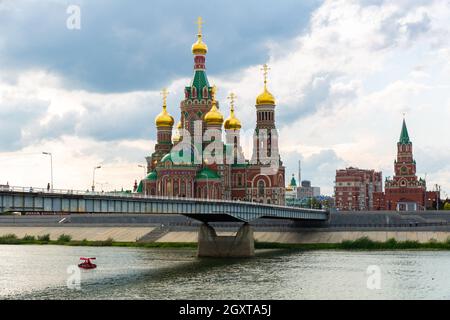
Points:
x=64 y=201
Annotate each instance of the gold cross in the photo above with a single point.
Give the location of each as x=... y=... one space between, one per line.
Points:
x=266 y=69
x=200 y=23
x=164 y=93
x=213 y=93
x=232 y=97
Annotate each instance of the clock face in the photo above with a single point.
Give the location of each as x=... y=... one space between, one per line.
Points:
x=404 y=170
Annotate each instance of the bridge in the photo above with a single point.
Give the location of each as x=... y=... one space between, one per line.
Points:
x=43 y=201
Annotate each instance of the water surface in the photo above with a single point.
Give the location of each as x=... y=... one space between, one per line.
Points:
x=41 y=272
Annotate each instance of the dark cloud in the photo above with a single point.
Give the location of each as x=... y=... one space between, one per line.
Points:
x=132 y=45
x=18 y=120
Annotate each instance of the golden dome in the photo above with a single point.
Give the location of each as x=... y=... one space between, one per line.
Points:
x=164 y=119
x=214 y=116
x=266 y=97
x=232 y=123
x=199 y=47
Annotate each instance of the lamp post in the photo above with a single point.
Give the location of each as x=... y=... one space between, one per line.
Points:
x=51 y=168
x=93 y=177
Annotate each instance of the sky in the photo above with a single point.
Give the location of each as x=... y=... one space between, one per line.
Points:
x=344 y=74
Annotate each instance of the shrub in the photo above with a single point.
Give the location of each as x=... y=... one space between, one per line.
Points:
x=447 y=206
x=44 y=237
x=361 y=243
x=108 y=242
x=391 y=243
x=9 y=239
x=64 y=238
x=29 y=238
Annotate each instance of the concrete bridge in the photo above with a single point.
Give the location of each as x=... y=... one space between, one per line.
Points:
x=42 y=201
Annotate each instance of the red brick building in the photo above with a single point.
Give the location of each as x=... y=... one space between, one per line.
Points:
x=405 y=191
x=354 y=188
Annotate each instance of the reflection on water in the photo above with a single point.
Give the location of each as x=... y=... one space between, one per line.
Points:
x=40 y=272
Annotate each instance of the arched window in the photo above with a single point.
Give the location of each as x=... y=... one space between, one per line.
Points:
x=194 y=92
x=175 y=187
x=205 y=92
x=261 y=187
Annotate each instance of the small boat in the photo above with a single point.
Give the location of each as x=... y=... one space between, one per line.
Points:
x=87 y=263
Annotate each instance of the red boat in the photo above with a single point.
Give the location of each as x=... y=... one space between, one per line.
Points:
x=87 y=263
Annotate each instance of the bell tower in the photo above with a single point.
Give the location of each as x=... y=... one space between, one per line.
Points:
x=265 y=137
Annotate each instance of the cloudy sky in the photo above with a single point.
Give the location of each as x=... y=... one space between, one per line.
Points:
x=343 y=74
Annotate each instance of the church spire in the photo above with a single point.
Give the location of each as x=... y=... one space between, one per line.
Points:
x=404 y=137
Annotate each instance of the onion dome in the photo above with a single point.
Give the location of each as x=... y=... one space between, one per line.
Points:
x=232 y=123
x=214 y=117
x=266 y=97
x=164 y=119
x=199 y=47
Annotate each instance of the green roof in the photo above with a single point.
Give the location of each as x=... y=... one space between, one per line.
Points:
x=199 y=81
x=404 y=137
x=207 y=173
x=152 y=176
x=140 y=187
x=293 y=182
x=167 y=157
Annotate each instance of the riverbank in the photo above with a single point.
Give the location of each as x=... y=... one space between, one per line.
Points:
x=358 y=244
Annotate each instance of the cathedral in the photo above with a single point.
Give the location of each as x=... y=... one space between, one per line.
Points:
x=203 y=158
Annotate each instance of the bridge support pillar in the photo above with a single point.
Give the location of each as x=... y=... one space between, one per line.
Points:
x=211 y=245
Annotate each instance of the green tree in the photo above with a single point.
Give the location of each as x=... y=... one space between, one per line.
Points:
x=447 y=206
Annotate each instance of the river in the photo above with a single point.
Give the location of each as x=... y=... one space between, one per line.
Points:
x=49 y=272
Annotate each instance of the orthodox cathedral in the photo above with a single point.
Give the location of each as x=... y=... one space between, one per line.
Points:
x=199 y=132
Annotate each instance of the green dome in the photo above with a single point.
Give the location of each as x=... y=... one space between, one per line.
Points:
x=152 y=176
x=207 y=173
x=177 y=155
x=167 y=157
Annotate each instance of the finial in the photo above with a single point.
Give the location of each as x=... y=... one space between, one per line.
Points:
x=232 y=97
x=265 y=70
x=200 y=23
x=213 y=93
x=164 y=93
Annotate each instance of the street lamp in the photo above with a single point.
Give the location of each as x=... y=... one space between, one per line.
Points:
x=51 y=167
x=93 y=177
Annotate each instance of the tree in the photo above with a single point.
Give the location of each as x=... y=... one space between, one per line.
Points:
x=447 y=206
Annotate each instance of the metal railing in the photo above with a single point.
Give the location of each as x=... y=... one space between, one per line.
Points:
x=121 y=194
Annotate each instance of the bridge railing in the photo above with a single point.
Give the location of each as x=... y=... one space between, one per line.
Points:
x=120 y=194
